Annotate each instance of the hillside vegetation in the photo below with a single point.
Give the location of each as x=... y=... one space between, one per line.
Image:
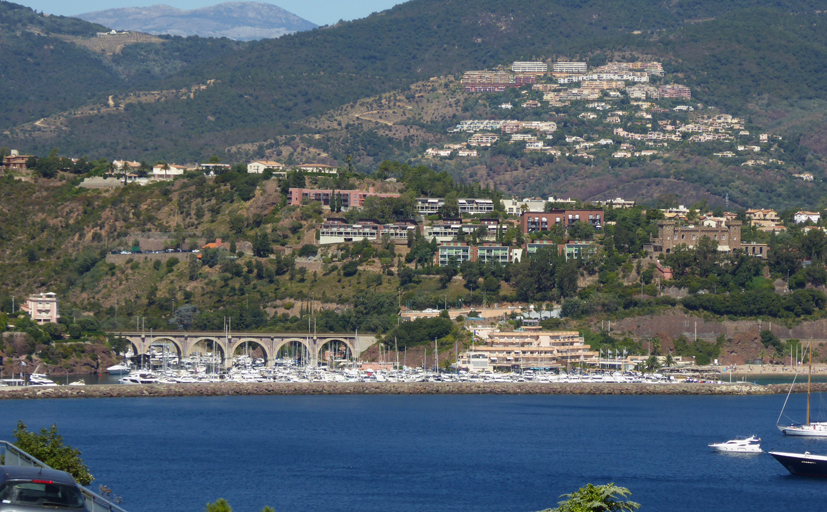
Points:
x=741 y=50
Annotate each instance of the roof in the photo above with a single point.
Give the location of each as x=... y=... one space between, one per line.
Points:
x=28 y=473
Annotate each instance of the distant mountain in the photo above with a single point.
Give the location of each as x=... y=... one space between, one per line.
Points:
x=242 y=21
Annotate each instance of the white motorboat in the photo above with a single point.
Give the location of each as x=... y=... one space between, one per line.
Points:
x=139 y=377
x=40 y=379
x=740 y=445
x=119 y=369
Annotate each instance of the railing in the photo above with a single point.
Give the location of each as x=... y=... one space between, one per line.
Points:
x=14 y=456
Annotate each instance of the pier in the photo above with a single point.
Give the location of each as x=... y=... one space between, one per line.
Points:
x=385 y=388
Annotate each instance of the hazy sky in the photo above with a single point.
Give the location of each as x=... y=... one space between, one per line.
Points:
x=320 y=12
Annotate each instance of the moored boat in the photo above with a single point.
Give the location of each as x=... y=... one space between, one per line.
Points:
x=119 y=369
x=802 y=464
x=40 y=379
x=810 y=428
x=748 y=445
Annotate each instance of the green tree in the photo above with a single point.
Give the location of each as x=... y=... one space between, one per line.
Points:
x=581 y=231
x=220 y=505
x=597 y=498
x=48 y=447
x=451 y=207
x=118 y=344
x=261 y=245
x=75 y=331
x=237 y=223
x=447 y=273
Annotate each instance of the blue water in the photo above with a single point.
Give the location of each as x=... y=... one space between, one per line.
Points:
x=427 y=453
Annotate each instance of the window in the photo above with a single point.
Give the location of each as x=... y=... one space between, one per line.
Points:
x=41 y=494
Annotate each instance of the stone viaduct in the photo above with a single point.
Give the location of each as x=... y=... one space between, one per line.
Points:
x=187 y=343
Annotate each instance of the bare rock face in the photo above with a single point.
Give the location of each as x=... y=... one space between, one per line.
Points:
x=242 y=21
x=745 y=348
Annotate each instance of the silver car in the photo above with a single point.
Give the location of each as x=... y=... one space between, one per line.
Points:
x=25 y=489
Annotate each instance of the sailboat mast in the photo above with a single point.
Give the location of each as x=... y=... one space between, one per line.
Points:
x=809 y=378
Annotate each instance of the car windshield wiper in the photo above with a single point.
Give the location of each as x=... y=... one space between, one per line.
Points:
x=55 y=504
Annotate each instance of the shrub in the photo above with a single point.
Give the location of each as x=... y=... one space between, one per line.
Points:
x=350 y=268
x=48 y=447
x=308 y=250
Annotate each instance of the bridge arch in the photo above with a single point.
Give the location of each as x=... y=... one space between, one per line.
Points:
x=165 y=340
x=326 y=342
x=256 y=341
x=281 y=343
x=208 y=343
x=134 y=345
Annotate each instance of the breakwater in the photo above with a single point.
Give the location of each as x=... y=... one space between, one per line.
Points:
x=394 y=388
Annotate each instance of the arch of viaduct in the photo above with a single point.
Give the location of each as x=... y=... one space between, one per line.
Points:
x=271 y=343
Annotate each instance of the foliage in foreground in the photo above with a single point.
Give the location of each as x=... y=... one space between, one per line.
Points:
x=597 y=498
x=221 y=505
x=48 y=447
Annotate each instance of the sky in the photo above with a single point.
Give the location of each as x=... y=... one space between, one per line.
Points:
x=320 y=12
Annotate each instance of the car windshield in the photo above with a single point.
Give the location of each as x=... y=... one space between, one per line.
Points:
x=41 y=493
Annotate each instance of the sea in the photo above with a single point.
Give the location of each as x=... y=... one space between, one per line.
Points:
x=413 y=453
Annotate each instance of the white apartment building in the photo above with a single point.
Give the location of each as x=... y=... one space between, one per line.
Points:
x=570 y=67
x=259 y=166
x=804 y=216
x=529 y=67
x=526 y=349
x=519 y=206
x=168 y=172
x=476 y=125
x=483 y=139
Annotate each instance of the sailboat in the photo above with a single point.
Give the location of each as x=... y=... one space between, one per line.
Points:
x=809 y=429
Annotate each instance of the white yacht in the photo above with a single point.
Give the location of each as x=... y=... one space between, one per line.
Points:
x=119 y=369
x=740 y=445
x=40 y=379
x=139 y=377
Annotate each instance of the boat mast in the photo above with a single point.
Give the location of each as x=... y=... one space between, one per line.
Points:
x=809 y=378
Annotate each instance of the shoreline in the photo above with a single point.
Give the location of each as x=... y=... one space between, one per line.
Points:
x=397 y=388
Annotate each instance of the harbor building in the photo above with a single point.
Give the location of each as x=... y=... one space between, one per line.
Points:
x=529 y=349
x=42 y=308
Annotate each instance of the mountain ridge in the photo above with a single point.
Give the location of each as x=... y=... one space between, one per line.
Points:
x=242 y=21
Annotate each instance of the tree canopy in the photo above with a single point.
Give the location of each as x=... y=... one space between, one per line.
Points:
x=48 y=447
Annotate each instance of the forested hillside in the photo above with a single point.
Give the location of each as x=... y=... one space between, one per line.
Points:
x=267 y=86
x=49 y=65
x=754 y=59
